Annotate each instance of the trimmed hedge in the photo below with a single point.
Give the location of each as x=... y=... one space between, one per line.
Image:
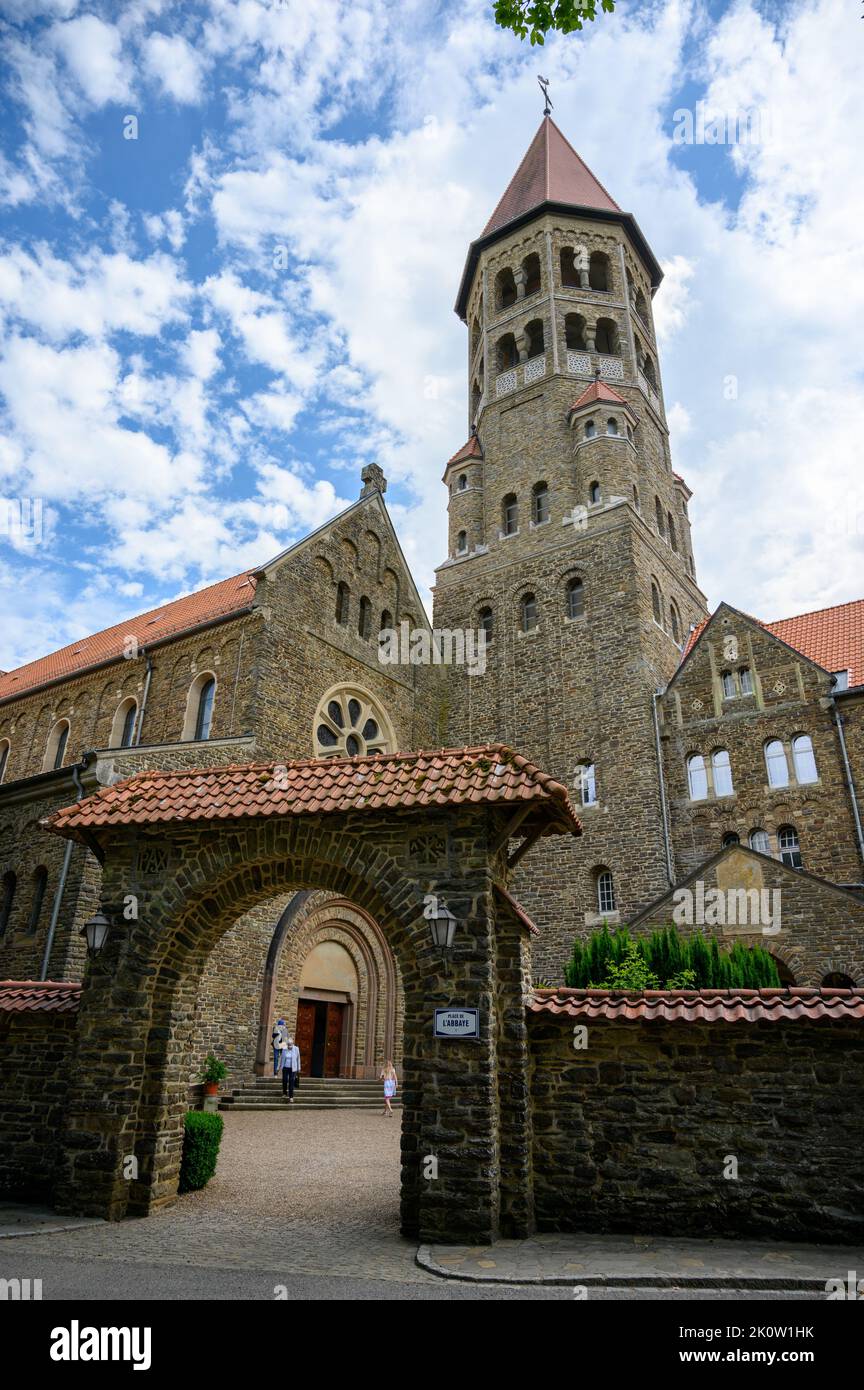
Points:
x=201 y=1139
x=668 y=956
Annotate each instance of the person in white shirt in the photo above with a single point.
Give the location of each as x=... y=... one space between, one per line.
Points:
x=290 y=1068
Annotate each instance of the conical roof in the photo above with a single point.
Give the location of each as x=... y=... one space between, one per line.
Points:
x=551 y=172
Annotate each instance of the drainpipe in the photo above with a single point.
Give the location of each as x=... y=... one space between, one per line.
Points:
x=144 y=699
x=77 y=768
x=666 y=839
x=849 y=778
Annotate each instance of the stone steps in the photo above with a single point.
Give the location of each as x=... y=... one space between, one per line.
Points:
x=314 y=1093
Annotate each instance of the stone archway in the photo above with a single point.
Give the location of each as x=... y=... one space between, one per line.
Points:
x=193 y=851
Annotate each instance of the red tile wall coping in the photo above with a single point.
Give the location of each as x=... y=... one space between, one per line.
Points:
x=703 y=1005
x=39 y=996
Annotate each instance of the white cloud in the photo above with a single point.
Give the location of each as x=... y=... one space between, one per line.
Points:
x=175 y=65
x=92 y=50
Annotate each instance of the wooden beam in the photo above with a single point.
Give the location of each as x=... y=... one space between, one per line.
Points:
x=523 y=848
x=511 y=827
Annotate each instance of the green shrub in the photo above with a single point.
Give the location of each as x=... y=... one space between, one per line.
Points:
x=214 y=1070
x=201 y=1139
x=607 y=960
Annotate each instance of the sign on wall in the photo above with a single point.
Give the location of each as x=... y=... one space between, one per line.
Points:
x=457 y=1023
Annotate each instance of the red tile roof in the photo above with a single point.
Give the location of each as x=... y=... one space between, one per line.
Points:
x=550 y=172
x=517 y=909
x=217 y=601
x=832 y=637
x=597 y=391
x=469 y=450
x=703 y=1005
x=39 y=996
x=316 y=786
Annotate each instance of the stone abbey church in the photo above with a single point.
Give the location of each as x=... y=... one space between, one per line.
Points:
x=717 y=750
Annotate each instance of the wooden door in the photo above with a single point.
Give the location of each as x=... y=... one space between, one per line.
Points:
x=333 y=1044
x=305 y=1034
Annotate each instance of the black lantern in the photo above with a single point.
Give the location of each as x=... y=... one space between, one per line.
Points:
x=442 y=927
x=96 y=932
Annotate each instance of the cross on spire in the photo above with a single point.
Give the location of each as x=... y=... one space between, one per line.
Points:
x=543 y=83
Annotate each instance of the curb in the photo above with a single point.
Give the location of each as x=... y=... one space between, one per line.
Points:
x=425 y=1259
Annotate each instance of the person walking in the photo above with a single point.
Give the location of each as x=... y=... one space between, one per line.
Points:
x=290 y=1068
x=278 y=1038
x=388 y=1076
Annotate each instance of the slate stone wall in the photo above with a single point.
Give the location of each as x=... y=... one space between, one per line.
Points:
x=33 y=1095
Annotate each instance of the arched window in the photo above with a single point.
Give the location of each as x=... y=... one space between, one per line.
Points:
x=531 y=268
x=487 y=623
x=4 y=756
x=605 y=891
x=462 y=543
x=123 y=727
x=575 y=599
x=612 y=426
x=55 y=750
x=804 y=759
x=775 y=762
x=697 y=777
x=594 y=494
x=587 y=780
x=656 y=604
x=343 y=602
x=675 y=622
x=528 y=611
x=540 y=503
x=598 y=271
x=7 y=900
x=574 y=332
x=510 y=515
x=649 y=373
x=835 y=979
x=606 y=337
x=476 y=398
x=507 y=352
x=364 y=619
x=745 y=679
x=789 y=846
x=534 y=334
x=505 y=288
x=386 y=624
x=658 y=514
x=569 y=273
x=722 y=770
x=590 y=429
x=670 y=531
x=40 y=882
x=641 y=306
x=475 y=336
x=350 y=723
x=759 y=841
x=729 y=687
x=462 y=483
x=204 y=709
x=731 y=839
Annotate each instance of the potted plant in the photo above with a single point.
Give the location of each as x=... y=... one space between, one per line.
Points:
x=214 y=1072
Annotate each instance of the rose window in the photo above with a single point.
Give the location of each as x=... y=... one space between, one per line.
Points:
x=351 y=725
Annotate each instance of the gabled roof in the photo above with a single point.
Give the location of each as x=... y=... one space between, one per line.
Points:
x=597 y=391
x=320 y=786
x=551 y=172
x=227 y=597
x=832 y=638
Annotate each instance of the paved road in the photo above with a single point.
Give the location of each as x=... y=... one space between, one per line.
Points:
x=305 y=1200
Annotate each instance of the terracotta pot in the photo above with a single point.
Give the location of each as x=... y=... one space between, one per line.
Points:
x=211 y=1088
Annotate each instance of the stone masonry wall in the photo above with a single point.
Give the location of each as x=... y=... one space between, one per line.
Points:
x=633 y=1133
x=33 y=1094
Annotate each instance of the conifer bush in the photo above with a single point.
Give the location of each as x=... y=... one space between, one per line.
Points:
x=665 y=960
x=201 y=1139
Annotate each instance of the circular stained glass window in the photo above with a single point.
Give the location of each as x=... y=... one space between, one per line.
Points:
x=351 y=724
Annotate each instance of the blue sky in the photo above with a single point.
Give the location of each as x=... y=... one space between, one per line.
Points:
x=207 y=330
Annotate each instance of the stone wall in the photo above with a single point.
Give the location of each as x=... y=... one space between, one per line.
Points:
x=634 y=1132
x=33 y=1095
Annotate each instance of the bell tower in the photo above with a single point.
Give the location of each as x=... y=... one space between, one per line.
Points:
x=569 y=536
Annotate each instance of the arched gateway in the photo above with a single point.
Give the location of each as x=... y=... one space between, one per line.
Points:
x=185 y=853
